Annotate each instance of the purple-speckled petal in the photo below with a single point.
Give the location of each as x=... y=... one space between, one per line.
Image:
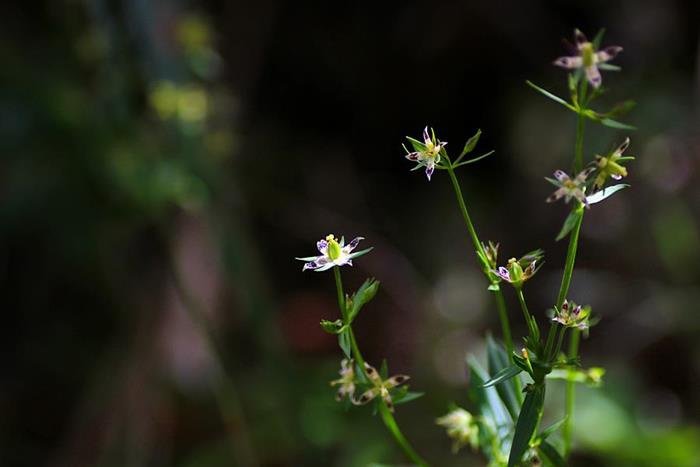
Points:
x=561 y=176
x=503 y=272
x=580 y=38
x=616 y=176
x=593 y=76
x=413 y=156
x=569 y=63
x=353 y=244
x=429 y=171
x=310 y=265
x=322 y=246
x=426 y=135
x=608 y=53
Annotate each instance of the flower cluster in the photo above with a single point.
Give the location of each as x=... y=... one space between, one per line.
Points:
x=427 y=153
x=333 y=253
x=585 y=56
x=461 y=427
x=572 y=315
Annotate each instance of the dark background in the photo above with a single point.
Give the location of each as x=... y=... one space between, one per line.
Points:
x=160 y=157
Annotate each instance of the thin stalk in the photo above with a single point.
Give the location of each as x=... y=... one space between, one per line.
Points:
x=526 y=312
x=570 y=260
x=387 y=416
x=560 y=341
x=227 y=396
x=568 y=272
x=567 y=429
x=500 y=301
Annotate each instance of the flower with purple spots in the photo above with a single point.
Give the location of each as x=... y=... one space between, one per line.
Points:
x=585 y=56
x=518 y=271
x=346 y=382
x=333 y=253
x=610 y=167
x=380 y=387
x=427 y=153
x=572 y=315
x=568 y=187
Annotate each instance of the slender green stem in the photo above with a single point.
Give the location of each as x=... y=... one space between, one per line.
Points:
x=570 y=260
x=568 y=272
x=560 y=341
x=387 y=416
x=526 y=312
x=500 y=301
x=567 y=429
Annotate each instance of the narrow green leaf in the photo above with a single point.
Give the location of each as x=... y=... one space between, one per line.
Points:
x=609 y=122
x=554 y=97
x=609 y=67
x=360 y=253
x=406 y=396
x=503 y=375
x=344 y=343
x=498 y=360
x=364 y=295
x=551 y=429
x=551 y=454
x=598 y=38
x=599 y=196
x=487 y=401
x=470 y=144
x=526 y=424
x=570 y=222
x=471 y=161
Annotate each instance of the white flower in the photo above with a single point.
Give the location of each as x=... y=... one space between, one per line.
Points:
x=568 y=187
x=333 y=253
x=461 y=427
x=380 y=387
x=346 y=380
x=427 y=153
x=585 y=56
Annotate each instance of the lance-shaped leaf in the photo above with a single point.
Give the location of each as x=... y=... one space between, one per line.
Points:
x=609 y=122
x=508 y=390
x=554 y=97
x=364 y=295
x=571 y=220
x=489 y=405
x=470 y=144
x=344 y=342
x=503 y=375
x=550 y=453
x=599 y=196
x=544 y=434
x=526 y=424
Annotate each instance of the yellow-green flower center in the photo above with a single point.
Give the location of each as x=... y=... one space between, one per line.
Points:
x=334 y=249
x=588 y=54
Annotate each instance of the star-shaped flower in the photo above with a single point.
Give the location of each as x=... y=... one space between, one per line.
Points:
x=333 y=253
x=346 y=380
x=427 y=153
x=568 y=187
x=380 y=387
x=518 y=271
x=610 y=166
x=572 y=315
x=585 y=56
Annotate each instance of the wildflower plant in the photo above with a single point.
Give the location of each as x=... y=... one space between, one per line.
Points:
x=507 y=397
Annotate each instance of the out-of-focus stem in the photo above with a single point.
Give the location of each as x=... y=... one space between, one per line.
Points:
x=227 y=396
x=387 y=416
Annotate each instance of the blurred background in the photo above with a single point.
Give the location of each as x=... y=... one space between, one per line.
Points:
x=163 y=162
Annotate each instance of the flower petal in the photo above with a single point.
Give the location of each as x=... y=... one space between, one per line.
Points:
x=569 y=63
x=557 y=195
x=580 y=38
x=593 y=76
x=503 y=272
x=625 y=144
x=413 y=156
x=353 y=244
x=322 y=246
x=426 y=135
x=429 y=169
x=313 y=265
x=608 y=53
x=561 y=176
